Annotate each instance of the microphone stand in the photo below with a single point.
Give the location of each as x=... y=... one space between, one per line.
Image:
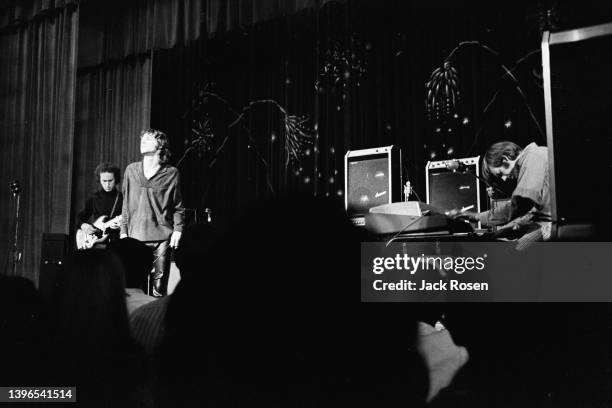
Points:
x=465 y=170
x=16 y=255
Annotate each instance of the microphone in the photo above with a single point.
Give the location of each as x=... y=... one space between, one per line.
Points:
x=456 y=165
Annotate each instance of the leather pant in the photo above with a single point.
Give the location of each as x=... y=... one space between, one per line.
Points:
x=160 y=273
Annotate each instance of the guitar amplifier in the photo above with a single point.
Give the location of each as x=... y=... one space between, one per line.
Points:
x=372 y=177
x=447 y=189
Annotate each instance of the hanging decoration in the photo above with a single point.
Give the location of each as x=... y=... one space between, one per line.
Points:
x=443 y=93
x=341 y=67
x=203 y=137
x=545 y=16
x=298 y=136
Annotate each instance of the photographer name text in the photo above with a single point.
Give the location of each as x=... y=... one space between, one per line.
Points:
x=425 y=286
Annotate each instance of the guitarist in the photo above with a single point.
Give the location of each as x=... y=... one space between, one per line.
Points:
x=106 y=201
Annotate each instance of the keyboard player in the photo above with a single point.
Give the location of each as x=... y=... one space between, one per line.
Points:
x=528 y=212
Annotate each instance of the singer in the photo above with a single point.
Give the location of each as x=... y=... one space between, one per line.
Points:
x=153 y=206
x=529 y=209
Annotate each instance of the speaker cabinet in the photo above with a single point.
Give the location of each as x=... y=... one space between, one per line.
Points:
x=372 y=177
x=448 y=190
x=53 y=251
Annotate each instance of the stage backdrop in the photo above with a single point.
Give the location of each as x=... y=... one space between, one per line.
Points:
x=37 y=83
x=357 y=70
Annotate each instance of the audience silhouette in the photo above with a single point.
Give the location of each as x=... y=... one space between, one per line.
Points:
x=268 y=312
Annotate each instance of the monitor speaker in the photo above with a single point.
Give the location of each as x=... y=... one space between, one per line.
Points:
x=448 y=190
x=372 y=177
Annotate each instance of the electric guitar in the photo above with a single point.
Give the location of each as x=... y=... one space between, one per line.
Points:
x=86 y=241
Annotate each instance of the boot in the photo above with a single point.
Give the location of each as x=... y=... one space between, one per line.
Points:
x=157 y=287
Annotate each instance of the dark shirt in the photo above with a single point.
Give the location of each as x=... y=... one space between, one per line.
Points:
x=153 y=208
x=100 y=204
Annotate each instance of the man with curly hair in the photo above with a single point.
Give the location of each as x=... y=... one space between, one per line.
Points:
x=105 y=202
x=152 y=206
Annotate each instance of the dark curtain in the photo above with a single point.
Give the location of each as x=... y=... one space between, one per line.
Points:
x=115 y=29
x=112 y=107
x=222 y=15
x=396 y=48
x=17 y=12
x=37 y=85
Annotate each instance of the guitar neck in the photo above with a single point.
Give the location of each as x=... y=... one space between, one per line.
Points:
x=106 y=224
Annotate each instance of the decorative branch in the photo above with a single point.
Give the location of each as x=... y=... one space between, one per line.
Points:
x=297 y=135
x=442 y=87
x=494 y=97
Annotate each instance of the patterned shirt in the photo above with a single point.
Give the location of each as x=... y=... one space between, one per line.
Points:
x=147 y=323
x=136 y=298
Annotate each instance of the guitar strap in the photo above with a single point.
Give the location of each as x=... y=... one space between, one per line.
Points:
x=114 y=205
